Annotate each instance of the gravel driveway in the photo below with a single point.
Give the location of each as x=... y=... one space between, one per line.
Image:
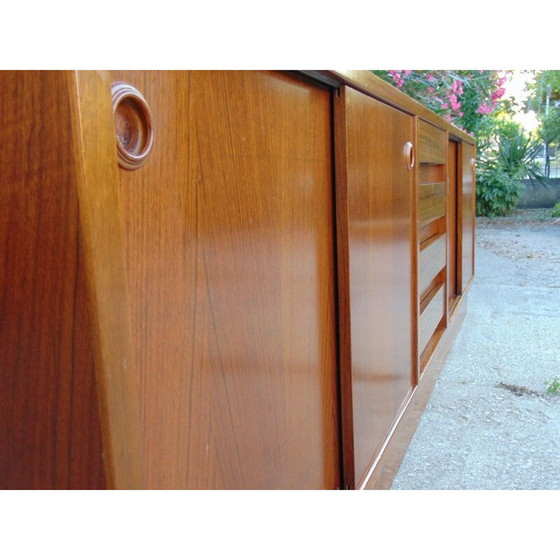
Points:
x=490 y=423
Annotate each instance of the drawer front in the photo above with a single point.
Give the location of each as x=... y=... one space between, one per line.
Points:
x=431 y=203
x=431 y=316
x=432 y=260
x=431 y=143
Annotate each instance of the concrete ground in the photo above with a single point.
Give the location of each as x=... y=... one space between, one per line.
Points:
x=490 y=423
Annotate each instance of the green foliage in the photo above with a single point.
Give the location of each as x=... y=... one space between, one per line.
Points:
x=553 y=387
x=496 y=192
x=546 y=84
x=549 y=130
x=509 y=157
x=545 y=101
x=556 y=210
x=517 y=152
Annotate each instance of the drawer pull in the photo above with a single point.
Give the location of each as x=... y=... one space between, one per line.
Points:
x=133 y=126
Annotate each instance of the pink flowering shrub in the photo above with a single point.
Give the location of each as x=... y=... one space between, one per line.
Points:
x=485 y=109
x=462 y=97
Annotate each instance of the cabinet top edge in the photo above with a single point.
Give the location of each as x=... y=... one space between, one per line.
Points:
x=370 y=84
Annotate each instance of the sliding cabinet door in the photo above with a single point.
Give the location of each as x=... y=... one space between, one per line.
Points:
x=375 y=233
x=229 y=251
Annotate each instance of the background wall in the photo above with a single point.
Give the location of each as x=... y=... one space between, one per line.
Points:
x=537 y=196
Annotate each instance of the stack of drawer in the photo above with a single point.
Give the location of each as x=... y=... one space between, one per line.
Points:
x=432 y=237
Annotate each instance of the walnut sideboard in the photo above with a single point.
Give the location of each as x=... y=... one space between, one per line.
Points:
x=218 y=279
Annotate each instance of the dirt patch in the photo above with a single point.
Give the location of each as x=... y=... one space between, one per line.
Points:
x=530 y=217
x=519 y=390
x=529 y=238
x=513 y=249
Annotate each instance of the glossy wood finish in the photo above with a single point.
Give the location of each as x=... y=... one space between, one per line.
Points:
x=230 y=263
x=101 y=223
x=431 y=203
x=431 y=313
x=50 y=433
x=431 y=173
x=379 y=193
x=452 y=217
x=430 y=263
x=431 y=143
x=432 y=228
x=343 y=291
x=177 y=325
x=468 y=206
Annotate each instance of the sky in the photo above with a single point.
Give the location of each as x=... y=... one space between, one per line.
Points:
x=515 y=88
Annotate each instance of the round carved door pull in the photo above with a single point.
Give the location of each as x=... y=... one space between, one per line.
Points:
x=133 y=126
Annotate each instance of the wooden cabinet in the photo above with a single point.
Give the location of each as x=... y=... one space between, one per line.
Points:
x=251 y=305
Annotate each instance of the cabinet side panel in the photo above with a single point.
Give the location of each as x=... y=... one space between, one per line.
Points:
x=379 y=242
x=229 y=236
x=50 y=433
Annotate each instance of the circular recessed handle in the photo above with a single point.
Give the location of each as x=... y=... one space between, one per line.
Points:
x=408 y=152
x=133 y=126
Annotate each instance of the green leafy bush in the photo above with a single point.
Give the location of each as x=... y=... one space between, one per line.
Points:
x=496 y=192
x=507 y=160
x=556 y=210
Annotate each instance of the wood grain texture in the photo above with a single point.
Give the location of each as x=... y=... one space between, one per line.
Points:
x=432 y=312
x=343 y=291
x=432 y=230
x=176 y=326
x=431 y=143
x=431 y=260
x=50 y=435
x=452 y=217
x=431 y=203
x=467 y=221
x=230 y=263
x=101 y=224
x=431 y=173
x=415 y=256
x=379 y=192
